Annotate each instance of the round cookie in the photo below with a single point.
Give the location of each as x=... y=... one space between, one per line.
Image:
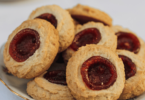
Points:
x=41 y=89
x=31 y=48
x=97 y=33
x=95 y=73
x=129 y=41
x=84 y=14
x=134 y=70
x=61 y=19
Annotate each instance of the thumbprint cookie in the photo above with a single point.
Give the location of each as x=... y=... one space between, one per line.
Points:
x=95 y=73
x=31 y=48
x=127 y=40
x=60 y=19
x=83 y=14
x=50 y=85
x=134 y=74
x=92 y=33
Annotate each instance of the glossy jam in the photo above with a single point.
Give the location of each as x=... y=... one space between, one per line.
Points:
x=87 y=36
x=56 y=76
x=24 y=44
x=49 y=17
x=84 y=19
x=130 y=67
x=98 y=73
x=128 y=41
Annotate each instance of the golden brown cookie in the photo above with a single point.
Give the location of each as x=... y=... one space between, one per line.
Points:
x=42 y=89
x=128 y=40
x=84 y=14
x=92 y=33
x=62 y=21
x=134 y=73
x=31 y=48
x=95 y=73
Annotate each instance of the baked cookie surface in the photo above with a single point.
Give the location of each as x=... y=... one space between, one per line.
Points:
x=131 y=41
x=41 y=89
x=22 y=41
x=92 y=33
x=84 y=14
x=79 y=87
x=135 y=78
x=61 y=19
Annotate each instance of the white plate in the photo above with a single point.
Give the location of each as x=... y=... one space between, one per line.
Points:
x=14 y=84
x=18 y=86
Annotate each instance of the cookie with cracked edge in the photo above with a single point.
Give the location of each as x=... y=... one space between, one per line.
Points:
x=42 y=89
x=21 y=57
x=135 y=83
x=141 y=49
x=83 y=14
x=75 y=81
x=61 y=19
x=106 y=34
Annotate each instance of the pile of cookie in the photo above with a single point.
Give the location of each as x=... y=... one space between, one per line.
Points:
x=101 y=61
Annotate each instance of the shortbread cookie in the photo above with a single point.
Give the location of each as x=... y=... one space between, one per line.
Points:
x=83 y=14
x=62 y=21
x=95 y=73
x=127 y=40
x=134 y=73
x=92 y=33
x=31 y=48
x=50 y=86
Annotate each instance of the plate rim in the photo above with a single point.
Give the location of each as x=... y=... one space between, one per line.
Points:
x=12 y=90
x=1 y=51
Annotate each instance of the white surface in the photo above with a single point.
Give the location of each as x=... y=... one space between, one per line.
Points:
x=128 y=13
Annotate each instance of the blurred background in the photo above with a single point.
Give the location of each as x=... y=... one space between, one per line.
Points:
x=127 y=13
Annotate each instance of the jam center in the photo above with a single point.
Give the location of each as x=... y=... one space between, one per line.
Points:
x=50 y=18
x=98 y=73
x=87 y=36
x=128 y=41
x=130 y=67
x=84 y=19
x=24 y=44
x=56 y=76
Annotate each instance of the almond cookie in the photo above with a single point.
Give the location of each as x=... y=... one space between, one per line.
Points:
x=83 y=14
x=62 y=21
x=127 y=40
x=50 y=86
x=31 y=48
x=95 y=73
x=92 y=33
x=134 y=73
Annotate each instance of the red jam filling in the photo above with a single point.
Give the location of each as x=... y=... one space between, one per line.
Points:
x=98 y=73
x=128 y=41
x=87 y=36
x=84 y=19
x=24 y=44
x=130 y=67
x=50 y=18
x=56 y=76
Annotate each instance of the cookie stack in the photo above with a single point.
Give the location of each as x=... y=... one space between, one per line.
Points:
x=100 y=61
